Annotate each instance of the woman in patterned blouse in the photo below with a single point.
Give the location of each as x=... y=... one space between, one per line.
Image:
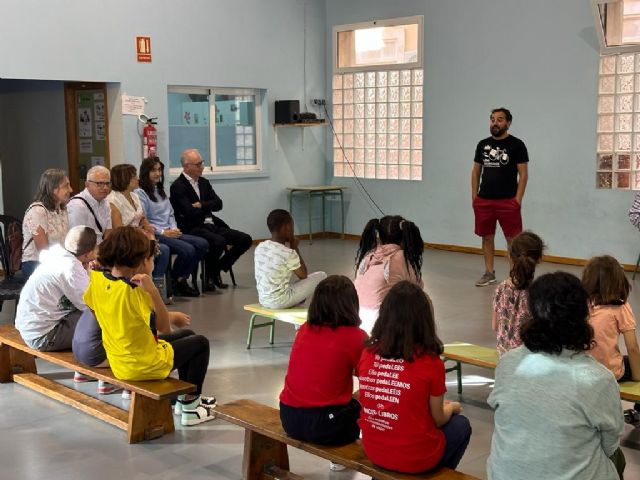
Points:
x=45 y=220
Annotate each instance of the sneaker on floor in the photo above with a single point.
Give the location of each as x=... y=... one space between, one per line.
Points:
x=105 y=388
x=126 y=394
x=195 y=413
x=487 y=279
x=632 y=417
x=82 y=378
x=207 y=401
x=336 y=467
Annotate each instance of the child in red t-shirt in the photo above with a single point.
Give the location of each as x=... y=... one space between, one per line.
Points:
x=316 y=404
x=407 y=426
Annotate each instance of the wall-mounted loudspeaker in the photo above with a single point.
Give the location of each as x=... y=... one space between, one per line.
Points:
x=286 y=110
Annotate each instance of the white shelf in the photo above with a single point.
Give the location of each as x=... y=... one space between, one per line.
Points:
x=276 y=126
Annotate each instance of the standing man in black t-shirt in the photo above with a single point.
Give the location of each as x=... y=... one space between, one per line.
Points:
x=498 y=180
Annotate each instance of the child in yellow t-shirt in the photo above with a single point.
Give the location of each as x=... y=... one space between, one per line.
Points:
x=136 y=326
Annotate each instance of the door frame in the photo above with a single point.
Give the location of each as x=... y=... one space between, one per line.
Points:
x=71 y=120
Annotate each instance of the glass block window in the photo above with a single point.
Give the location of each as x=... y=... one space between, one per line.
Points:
x=618 y=142
x=378 y=122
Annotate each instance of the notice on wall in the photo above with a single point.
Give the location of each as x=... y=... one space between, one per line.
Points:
x=101 y=131
x=132 y=105
x=97 y=161
x=86 y=145
x=98 y=110
x=84 y=122
x=98 y=97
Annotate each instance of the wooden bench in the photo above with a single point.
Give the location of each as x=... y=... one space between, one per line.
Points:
x=485 y=357
x=296 y=316
x=265 y=448
x=150 y=414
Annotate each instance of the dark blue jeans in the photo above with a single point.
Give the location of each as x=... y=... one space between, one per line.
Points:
x=189 y=250
x=28 y=267
x=458 y=433
x=161 y=262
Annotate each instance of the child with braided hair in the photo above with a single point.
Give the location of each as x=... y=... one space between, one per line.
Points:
x=390 y=251
x=511 y=301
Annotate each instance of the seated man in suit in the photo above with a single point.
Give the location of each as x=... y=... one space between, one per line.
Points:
x=194 y=201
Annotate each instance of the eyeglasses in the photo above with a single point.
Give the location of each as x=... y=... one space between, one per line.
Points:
x=199 y=164
x=100 y=184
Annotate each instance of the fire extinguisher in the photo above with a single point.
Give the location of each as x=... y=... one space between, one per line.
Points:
x=150 y=139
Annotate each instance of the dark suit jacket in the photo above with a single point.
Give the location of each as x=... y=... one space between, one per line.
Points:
x=182 y=195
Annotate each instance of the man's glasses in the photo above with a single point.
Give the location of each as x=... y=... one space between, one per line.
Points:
x=100 y=184
x=199 y=164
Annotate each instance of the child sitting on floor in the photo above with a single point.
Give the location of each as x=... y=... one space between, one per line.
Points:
x=130 y=311
x=275 y=259
x=390 y=251
x=511 y=301
x=316 y=404
x=610 y=316
x=407 y=426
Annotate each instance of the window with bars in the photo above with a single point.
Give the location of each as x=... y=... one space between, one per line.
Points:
x=377 y=97
x=618 y=144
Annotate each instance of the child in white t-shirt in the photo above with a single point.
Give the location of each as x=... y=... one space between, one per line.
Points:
x=276 y=259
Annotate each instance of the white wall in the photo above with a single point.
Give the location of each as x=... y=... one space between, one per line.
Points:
x=225 y=43
x=538 y=58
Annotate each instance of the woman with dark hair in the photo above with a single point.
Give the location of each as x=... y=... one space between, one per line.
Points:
x=45 y=221
x=189 y=249
x=126 y=211
x=557 y=410
x=316 y=404
x=407 y=426
x=511 y=301
x=390 y=251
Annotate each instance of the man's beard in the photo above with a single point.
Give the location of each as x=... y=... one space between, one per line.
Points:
x=497 y=131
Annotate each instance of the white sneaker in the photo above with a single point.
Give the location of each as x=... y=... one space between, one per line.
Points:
x=207 y=401
x=194 y=415
x=336 y=467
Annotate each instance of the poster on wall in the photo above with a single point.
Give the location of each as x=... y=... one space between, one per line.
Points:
x=101 y=131
x=97 y=161
x=98 y=108
x=86 y=146
x=84 y=122
x=132 y=105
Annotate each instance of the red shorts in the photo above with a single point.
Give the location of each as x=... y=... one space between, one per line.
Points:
x=506 y=211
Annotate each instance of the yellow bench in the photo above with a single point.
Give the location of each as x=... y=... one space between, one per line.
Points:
x=485 y=357
x=296 y=316
x=266 y=456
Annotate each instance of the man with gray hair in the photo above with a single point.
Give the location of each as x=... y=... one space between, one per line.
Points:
x=194 y=200
x=51 y=301
x=90 y=206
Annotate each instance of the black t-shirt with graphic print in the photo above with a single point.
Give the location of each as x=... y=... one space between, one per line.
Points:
x=499 y=160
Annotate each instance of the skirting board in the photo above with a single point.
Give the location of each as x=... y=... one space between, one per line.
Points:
x=460 y=249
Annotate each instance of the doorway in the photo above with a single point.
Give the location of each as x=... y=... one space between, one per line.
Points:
x=87 y=129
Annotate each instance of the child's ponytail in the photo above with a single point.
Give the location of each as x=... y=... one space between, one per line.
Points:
x=413 y=246
x=525 y=253
x=368 y=240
